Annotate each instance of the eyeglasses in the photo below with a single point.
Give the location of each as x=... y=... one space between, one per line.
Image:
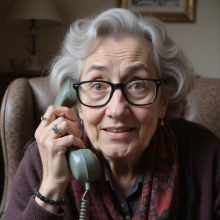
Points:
x=98 y=93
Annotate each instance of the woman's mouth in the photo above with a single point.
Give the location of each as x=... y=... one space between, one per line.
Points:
x=118 y=130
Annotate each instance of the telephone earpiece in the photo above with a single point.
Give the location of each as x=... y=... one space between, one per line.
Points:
x=83 y=164
x=67 y=95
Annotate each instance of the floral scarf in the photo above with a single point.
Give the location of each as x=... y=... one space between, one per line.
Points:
x=160 y=193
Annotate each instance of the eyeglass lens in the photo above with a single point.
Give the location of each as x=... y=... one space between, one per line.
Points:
x=98 y=93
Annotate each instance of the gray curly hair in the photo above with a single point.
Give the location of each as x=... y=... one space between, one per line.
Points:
x=174 y=69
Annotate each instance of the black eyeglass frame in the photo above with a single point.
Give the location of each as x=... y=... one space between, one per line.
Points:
x=114 y=86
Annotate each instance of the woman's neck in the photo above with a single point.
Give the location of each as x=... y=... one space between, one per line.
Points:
x=124 y=172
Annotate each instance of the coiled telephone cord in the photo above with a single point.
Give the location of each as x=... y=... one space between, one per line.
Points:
x=84 y=207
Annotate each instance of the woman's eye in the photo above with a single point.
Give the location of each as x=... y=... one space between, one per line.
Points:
x=137 y=86
x=98 y=87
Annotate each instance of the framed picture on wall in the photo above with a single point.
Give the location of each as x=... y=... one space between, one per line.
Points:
x=165 y=10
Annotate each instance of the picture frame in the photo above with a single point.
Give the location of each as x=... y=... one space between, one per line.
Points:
x=166 y=10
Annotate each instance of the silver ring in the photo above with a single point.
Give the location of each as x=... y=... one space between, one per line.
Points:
x=56 y=130
x=43 y=118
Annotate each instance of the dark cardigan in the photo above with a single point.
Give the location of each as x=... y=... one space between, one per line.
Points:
x=199 y=152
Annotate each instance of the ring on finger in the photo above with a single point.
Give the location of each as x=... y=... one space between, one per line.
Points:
x=43 y=118
x=56 y=130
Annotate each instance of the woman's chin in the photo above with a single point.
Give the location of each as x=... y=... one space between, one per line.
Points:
x=120 y=153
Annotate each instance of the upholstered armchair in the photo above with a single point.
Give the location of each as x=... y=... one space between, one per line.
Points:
x=25 y=101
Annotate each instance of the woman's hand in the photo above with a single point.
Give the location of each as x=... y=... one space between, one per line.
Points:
x=52 y=147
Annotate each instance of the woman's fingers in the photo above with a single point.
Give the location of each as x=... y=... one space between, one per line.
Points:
x=56 y=115
x=54 y=112
x=59 y=146
x=63 y=126
x=62 y=143
x=61 y=131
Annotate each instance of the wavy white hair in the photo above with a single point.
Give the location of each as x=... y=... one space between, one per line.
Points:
x=174 y=69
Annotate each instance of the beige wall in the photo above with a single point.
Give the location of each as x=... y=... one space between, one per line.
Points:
x=200 y=40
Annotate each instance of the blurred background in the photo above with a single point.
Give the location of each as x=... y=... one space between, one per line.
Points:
x=200 y=40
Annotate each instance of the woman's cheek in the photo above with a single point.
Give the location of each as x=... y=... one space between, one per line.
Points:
x=93 y=134
x=91 y=121
x=148 y=128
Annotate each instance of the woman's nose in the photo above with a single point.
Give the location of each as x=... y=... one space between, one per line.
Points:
x=118 y=107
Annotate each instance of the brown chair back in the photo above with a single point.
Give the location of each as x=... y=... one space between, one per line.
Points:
x=203 y=104
x=24 y=102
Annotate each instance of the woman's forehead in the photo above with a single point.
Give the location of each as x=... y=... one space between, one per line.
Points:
x=115 y=45
x=124 y=53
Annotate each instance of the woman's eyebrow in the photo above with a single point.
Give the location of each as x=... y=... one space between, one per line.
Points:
x=128 y=69
x=97 y=67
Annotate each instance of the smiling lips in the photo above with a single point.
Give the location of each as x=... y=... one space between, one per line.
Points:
x=118 y=130
x=118 y=133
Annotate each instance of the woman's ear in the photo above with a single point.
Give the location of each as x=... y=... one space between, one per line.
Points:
x=163 y=108
x=79 y=108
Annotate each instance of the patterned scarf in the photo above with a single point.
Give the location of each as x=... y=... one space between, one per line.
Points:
x=160 y=193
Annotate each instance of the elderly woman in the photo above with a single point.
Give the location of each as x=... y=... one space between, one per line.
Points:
x=132 y=80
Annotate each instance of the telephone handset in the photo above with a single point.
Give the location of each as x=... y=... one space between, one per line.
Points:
x=83 y=163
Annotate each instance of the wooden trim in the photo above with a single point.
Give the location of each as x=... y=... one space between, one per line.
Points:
x=188 y=16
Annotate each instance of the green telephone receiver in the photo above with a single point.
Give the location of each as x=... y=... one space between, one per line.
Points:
x=83 y=164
